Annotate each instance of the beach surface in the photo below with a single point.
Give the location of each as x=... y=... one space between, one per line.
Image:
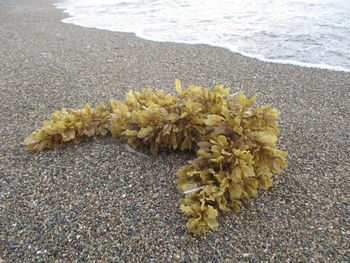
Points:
x=100 y=202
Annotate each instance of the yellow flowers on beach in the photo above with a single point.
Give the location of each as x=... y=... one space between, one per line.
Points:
x=235 y=144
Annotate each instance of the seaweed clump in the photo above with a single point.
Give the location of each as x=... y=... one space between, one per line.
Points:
x=235 y=144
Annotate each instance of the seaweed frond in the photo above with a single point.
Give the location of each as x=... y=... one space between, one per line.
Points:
x=235 y=143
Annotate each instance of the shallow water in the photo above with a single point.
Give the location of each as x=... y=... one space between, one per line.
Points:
x=312 y=33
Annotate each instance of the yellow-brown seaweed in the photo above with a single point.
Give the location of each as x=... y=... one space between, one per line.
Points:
x=235 y=144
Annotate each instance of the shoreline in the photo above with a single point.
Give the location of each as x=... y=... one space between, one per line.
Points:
x=99 y=201
x=70 y=20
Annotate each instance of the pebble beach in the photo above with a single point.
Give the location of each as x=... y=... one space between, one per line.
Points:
x=99 y=201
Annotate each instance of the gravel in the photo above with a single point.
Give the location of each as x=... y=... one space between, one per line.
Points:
x=99 y=201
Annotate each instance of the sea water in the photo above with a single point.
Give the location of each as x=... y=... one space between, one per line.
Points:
x=311 y=33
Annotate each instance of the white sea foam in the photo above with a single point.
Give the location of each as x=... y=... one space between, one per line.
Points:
x=310 y=33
